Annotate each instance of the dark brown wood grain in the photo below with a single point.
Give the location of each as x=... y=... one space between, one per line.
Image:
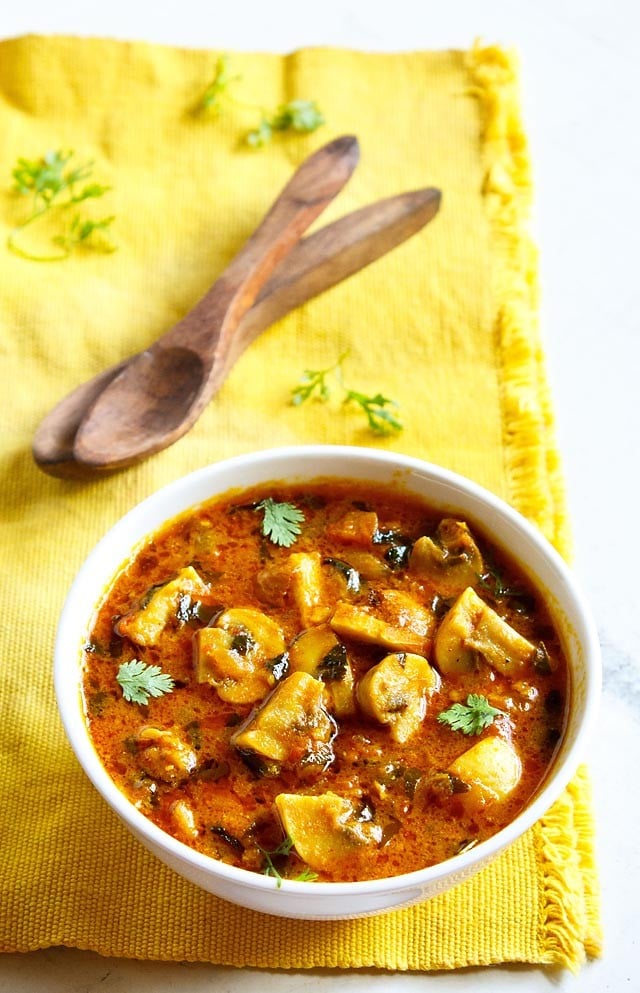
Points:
x=159 y=395
x=147 y=402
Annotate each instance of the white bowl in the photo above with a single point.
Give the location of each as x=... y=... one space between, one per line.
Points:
x=443 y=489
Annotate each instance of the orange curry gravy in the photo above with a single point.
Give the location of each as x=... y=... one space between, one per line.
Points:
x=400 y=801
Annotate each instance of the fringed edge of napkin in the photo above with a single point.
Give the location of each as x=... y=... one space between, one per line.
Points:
x=580 y=791
x=570 y=906
x=532 y=465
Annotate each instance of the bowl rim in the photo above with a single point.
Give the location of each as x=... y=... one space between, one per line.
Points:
x=70 y=637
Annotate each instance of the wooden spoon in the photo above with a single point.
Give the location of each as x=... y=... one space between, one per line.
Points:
x=316 y=263
x=158 y=395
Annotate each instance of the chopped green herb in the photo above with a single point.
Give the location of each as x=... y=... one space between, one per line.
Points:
x=45 y=180
x=282 y=851
x=380 y=420
x=313 y=383
x=493 y=581
x=139 y=681
x=301 y=116
x=215 y=93
x=472 y=717
x=298 y=115
x=306 y=876
x=333 y=667
x=81 y=230
x=261 y=135
x=281 y=523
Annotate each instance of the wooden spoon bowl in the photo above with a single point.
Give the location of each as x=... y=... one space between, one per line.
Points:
x=159 y=395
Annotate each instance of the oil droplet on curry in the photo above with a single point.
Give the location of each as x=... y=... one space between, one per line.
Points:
x=377 y=697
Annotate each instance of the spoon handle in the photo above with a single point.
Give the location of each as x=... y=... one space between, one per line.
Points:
x=212 y=328
x=316 y=263
x=160 y=394
x=337 y=251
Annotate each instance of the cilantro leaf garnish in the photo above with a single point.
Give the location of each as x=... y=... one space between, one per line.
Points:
x=282 y=851
x=378 y=409
x=281 y=522
x=306 y=876
x=140 y=681
x=217 y=90
x=381 y=420
x=472 y=717
x=313 y=383
x=52 y=185
x=301 y=116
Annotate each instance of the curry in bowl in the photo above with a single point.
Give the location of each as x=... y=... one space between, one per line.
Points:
x=326 y=681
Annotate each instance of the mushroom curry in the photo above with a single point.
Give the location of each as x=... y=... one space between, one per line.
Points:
x=326 y=681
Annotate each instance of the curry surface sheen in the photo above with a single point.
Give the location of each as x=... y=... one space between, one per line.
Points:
x=301 y=736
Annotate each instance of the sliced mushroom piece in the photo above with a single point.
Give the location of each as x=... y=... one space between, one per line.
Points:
x=184 y=819
x=491 y=769
x=318 y=652
x=307 y=587
x=144 y=626
x=391 y=619
x=356 y=527
x=471 y=629
x=451 y=560
x=369 y=565
x=300 y=577
x=292 y=727
x=395 y=692
x=163 y=755
x=325 y=829
x=235 y=654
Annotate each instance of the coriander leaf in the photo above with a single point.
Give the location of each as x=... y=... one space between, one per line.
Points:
x=493 y=581
x=46 y=180
x=306 y=876
x=212 y=98
x=261 y=135
x=297 y=115
x=313 y=383
x=81 y=230
x=46 y=177
x=381 y=420
x=281 y=521
x=282 y=851
x=140 y=681
x=301 y=116
x=472 y=717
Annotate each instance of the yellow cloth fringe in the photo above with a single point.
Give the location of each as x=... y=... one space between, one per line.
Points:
x=446 y=323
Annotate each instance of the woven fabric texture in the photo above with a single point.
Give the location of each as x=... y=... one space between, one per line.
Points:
x=445 y=324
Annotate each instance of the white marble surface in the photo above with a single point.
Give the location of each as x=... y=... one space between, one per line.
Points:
x=581 y=85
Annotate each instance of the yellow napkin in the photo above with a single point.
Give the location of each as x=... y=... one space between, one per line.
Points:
x=445 y=324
